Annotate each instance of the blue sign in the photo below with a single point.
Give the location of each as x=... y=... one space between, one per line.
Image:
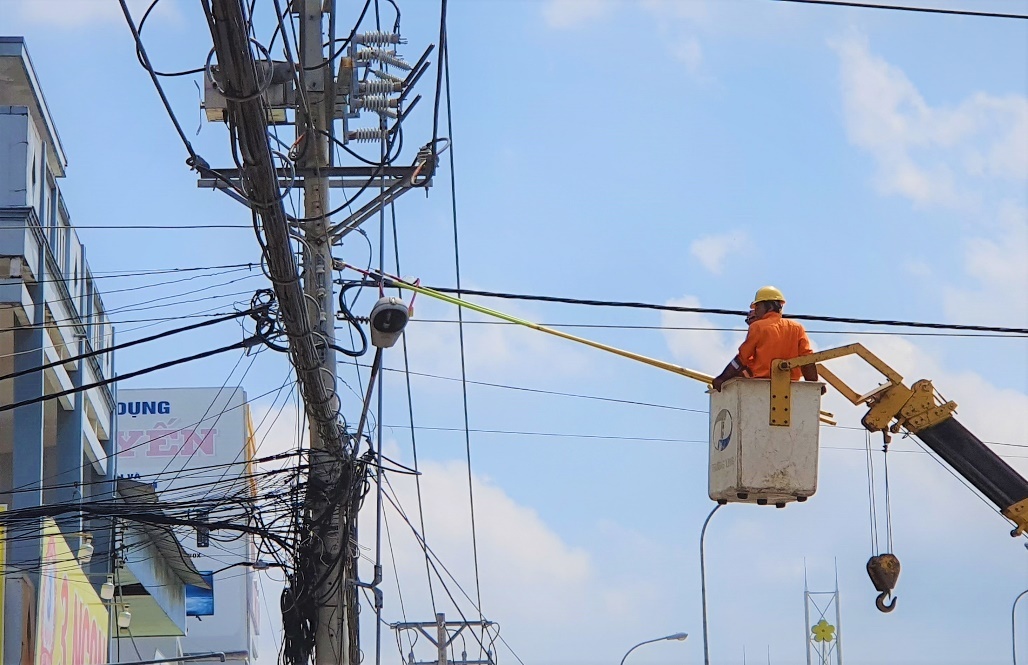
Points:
x=721 y=434
x=199 y=601
x=134 y=409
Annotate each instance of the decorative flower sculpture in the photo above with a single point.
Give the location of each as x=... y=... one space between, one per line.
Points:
x=823 y=631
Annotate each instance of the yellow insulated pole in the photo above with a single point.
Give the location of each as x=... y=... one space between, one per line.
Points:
x=682 y=371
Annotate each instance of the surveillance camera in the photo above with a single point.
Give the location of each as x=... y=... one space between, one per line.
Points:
x=389 y=317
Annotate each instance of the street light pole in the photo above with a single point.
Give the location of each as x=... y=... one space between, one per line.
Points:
x=680 y=637
x=703 y=585
x=1013 y=626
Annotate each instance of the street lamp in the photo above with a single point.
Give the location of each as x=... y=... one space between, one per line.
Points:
x=676 y=637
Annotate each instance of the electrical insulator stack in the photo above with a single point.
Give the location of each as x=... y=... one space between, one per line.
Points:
x=375 y=79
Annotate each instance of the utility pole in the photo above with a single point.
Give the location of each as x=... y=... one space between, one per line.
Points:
x=442 y=638
x=248 y=92
x=445 y=634
x=306 y=309
x=314 y=115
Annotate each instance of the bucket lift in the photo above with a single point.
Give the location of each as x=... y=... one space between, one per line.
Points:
x=754 y=460
x=764 y=433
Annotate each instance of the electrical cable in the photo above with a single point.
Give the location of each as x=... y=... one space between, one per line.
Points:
x=194 y=161
x=247 y=343
x=112 y=274
x=731 y=312
x=444 y=73
x=346 y=41
x=625 y=326
x=410 y=415
x=352 y=320
x=144 y=442
x=925 y=10
x=394 y=500
x=439 y=72
x=217 y=396
x=125 y=345
x=139 y=54
x=611 y=437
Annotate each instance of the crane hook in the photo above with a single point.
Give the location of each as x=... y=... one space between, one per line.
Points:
x=884 y=570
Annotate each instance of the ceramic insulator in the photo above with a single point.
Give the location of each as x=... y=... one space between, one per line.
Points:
x=368 y=135
x=382 y=55
x=379 y=38
x=376 y=102
x=373 y=87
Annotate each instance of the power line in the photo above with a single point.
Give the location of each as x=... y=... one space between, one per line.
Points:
x=410 y=415
x=194 y=159
x=109 y=274
x=615 y=400
x=625 y=326
x=548 y=392
x=246 y=343
x=645 y=439
x=903 y=8
x=141 y=57
x=444 y=75
x=160 y=227
x=730 y=312
x=135 y=342
x=119 y=274
x=155 y=284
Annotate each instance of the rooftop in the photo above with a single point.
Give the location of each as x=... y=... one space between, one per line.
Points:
x=19 y=86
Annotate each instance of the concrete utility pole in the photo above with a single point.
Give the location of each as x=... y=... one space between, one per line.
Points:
x=445 y=634
x=306 y=310
x=314 y=115
x=248 y=92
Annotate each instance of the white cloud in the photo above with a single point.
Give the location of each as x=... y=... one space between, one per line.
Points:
x=999 y=269
x=674 y=21
x=927 y=153
x=75 y=13
x=492 y=349
x=695 y=11
x=574 y=13
x=517 y=551
x=688 y=52
x=712 y=250
x=701 y=349
x=971 y=156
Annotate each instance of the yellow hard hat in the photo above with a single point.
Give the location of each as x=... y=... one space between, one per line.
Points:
x=766 y=293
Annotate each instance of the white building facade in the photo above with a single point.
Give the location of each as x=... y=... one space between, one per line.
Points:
x=198 y=442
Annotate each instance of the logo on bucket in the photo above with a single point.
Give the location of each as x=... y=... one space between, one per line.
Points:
x=721 y=433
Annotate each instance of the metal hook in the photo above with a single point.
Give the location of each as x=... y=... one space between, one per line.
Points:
x=880 y=602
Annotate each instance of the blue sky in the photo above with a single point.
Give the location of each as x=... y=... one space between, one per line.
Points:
x=869 y=163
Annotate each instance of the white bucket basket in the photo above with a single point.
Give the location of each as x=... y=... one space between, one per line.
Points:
x=752 y=461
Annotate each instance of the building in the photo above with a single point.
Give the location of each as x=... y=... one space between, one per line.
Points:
x=55 y=450
x=198 y=442
x=58 y=600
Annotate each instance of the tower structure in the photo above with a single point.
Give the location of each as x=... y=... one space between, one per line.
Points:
x=823 y=624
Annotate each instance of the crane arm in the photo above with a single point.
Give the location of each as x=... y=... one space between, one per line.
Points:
x=919 y=410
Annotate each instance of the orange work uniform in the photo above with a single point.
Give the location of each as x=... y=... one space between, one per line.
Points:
x=773 y=338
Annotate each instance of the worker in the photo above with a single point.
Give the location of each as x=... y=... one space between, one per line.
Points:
x=770 y=337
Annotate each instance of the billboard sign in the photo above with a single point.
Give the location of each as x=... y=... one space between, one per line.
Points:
x=72 y=620
x=165 y=436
